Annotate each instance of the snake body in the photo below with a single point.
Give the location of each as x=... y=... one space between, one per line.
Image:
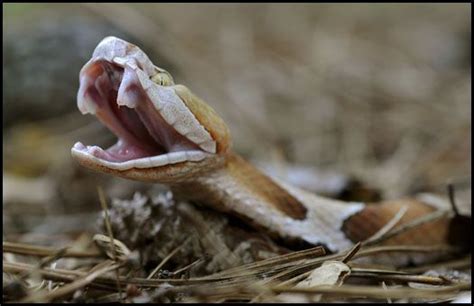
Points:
x=168 y=135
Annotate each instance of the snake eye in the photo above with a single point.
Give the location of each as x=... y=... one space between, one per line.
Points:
x=163 y=78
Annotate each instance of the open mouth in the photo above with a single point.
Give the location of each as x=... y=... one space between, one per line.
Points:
x=154 y=127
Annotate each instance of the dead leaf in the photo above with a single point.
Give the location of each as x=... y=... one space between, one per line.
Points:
x=330 y=273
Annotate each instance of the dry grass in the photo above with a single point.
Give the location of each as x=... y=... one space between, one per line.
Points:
x=264 y=280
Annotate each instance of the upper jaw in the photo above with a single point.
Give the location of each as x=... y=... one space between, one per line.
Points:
x=154 y=126
x=121 y=53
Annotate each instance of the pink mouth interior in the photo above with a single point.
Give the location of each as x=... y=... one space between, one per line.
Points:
x=141 y=130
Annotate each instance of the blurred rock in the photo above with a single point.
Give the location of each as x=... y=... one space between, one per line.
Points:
x=42 y=60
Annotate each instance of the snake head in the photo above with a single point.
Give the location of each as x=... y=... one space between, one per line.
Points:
x=165 y=133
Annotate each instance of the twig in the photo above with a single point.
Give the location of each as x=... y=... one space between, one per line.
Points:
x=376 y=271
x=165 y=260
x=103 y=203
x=187 y=267
x=451 y=264
x=289 y=272
x=352 y=252
x=33 y=250
x=389 y=300
x=452 y=199
x=374 y=292
x=296 y=278
x=406 y=248
x=387 y=227
x=425 y=279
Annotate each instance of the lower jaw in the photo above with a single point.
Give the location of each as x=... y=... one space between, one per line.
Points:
x=145 y=162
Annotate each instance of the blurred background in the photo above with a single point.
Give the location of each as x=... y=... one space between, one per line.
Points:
x=378 y=93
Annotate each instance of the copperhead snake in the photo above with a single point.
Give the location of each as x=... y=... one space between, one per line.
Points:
x=168 y=135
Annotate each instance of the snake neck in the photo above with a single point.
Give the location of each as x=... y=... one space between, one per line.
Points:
x=283 y=211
